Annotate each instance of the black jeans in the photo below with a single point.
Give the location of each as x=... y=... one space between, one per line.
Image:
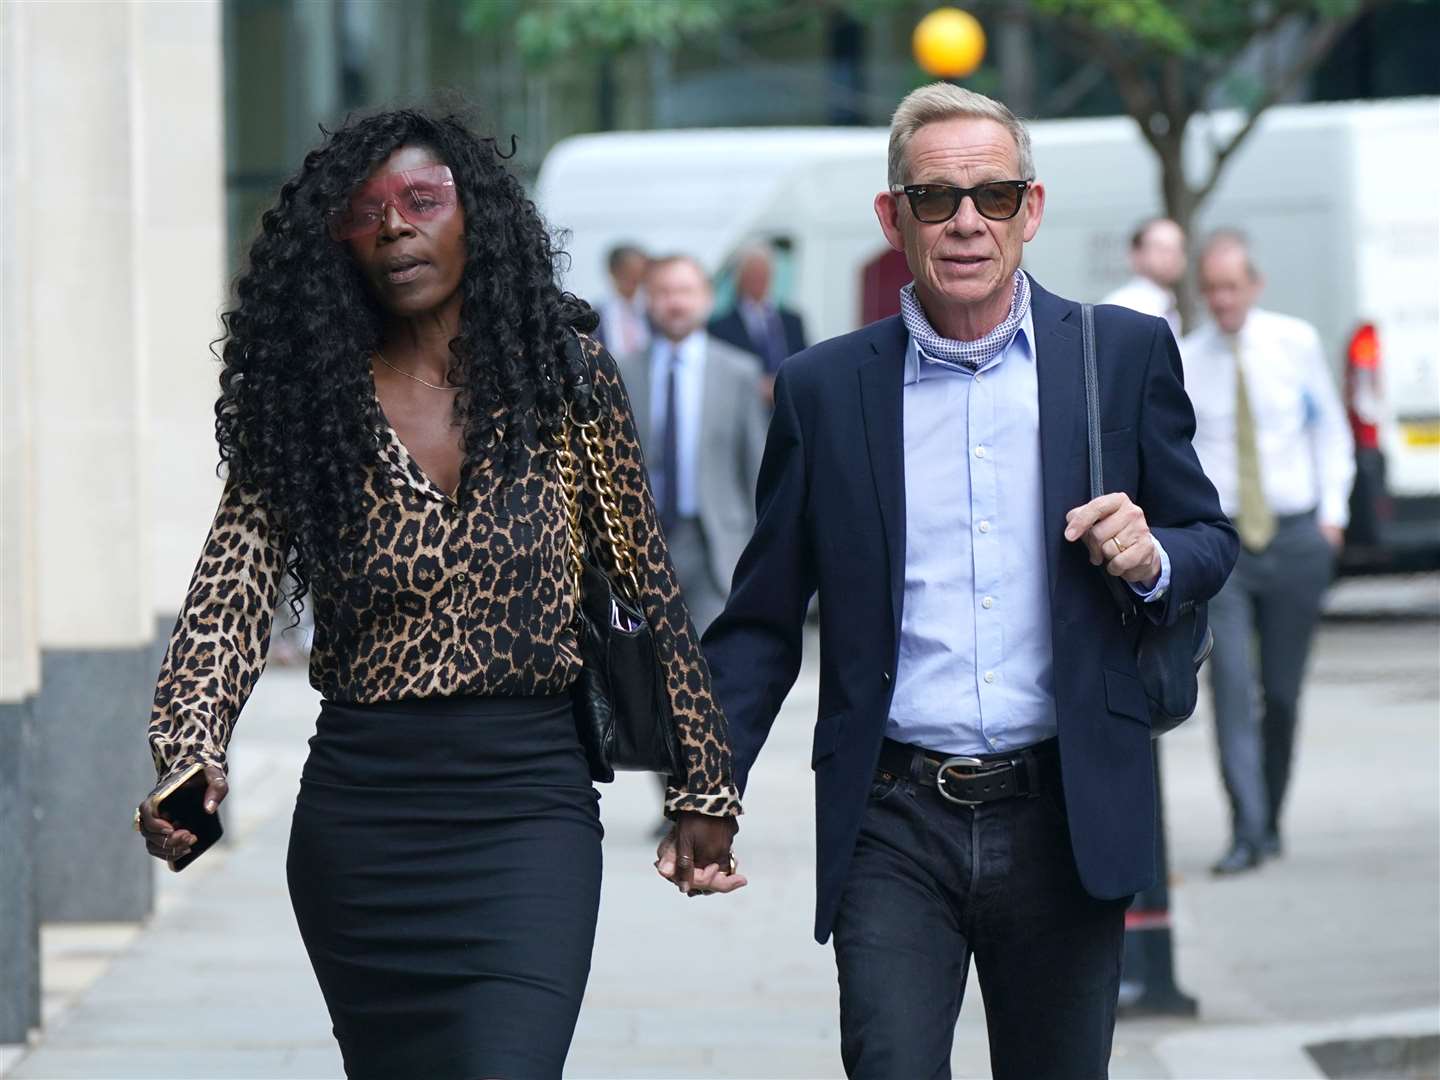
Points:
x=933 y=884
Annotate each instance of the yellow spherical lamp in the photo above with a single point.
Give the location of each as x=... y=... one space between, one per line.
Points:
x=949 y=43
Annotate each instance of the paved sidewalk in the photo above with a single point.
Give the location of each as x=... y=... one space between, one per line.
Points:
x=1337 y=940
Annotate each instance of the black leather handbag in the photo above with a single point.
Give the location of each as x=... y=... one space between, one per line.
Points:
x=622 y=709
x=1168 y=657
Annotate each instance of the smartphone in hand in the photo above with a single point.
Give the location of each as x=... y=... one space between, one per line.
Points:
x=182 y=803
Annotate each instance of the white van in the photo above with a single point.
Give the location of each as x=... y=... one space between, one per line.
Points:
x=1341 y=203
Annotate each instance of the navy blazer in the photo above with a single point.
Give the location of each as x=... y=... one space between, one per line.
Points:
x=831 y=516
x=731 y=328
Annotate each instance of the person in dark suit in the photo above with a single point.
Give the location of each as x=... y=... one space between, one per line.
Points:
x=982 y=757
x=769 y=330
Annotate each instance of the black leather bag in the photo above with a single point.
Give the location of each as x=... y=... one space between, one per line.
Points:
x=622 y=709
x=1168 y=658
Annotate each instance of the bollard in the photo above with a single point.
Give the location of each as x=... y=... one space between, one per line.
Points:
x=1147 y=969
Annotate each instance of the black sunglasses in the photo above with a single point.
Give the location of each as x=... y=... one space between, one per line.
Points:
x=998 y=200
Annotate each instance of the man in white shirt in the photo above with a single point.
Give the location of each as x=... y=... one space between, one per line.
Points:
x=624 y=327
x=1157 y=258
x=1272 y=437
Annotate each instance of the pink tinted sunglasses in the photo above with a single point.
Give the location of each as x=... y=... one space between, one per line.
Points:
x=418 y=195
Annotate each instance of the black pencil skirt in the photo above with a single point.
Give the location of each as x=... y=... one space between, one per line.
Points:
x=444 y=868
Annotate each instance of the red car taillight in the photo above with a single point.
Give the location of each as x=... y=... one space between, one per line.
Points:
x=1362 y=386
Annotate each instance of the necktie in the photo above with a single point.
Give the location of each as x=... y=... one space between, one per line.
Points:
x=1255 y=521
x=774 y=340
x=670 y=445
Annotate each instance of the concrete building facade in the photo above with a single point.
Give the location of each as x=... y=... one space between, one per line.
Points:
x=113 y=261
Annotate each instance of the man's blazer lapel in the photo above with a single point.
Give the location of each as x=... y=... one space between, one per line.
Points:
x=1060 y=371
x=882 y=383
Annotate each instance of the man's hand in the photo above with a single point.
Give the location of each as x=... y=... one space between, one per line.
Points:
x=1115 y=531
x=696 y=855
x=1334 y=536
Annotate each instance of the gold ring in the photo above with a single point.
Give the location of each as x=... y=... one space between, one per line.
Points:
x=1119 y=547
x=733 y=864
x=137 y=819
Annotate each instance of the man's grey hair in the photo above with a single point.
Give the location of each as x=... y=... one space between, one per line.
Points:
x=945 y=101
x=754 y=250
x=663 y=262
x=1230 y=239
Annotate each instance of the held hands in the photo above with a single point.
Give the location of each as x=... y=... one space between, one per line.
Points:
x=1115 y=531
x=696 y=855
x=162 y=838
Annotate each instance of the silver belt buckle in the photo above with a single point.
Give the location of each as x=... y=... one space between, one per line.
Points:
x=957 y=762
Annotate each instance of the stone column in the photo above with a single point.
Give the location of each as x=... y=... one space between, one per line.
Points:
x=89 y=411
x=181 y=268
x=19 y=647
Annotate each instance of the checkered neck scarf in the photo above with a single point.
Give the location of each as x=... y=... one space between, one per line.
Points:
x=966 y=355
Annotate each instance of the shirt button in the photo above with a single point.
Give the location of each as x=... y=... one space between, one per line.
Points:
x=979 y=378
x=988 y=602
x=461 y=578
x=979 y=451
x=989 y=676
x=985 y=526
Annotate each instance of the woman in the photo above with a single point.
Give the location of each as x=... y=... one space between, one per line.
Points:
x=398 y=371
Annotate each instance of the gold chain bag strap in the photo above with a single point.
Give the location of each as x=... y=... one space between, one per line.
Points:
x=622 y=707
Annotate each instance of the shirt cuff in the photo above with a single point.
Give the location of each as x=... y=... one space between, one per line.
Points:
x=1334 y=511
x=1162 y=583
x=722 y=803
x=171 y=759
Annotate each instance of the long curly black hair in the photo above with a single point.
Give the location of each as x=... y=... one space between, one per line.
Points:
x=297 y=419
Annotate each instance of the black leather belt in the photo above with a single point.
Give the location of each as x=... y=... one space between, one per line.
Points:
x=971 y=781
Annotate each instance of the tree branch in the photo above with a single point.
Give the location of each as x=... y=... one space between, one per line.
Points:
x=1136 y=91
x=1172 y=89
x=1321 y=40
x=1065 y=96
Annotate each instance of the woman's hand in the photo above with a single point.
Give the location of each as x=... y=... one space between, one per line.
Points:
x=696 y=855
x=163 y=838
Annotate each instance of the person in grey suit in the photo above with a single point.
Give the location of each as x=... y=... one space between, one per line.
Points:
x=702 y=427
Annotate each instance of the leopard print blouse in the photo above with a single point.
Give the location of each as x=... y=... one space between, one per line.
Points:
x=437 y=598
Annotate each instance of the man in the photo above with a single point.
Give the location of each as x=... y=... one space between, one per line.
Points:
x=623 y=328
x=1157 y=259
x=702 y=428
x=768 y=330
x=982 y=756
x=1273 y=438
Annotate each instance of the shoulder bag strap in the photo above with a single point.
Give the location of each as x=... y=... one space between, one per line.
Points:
x=1118 y=590
x=596 y=464
x=1092 y=400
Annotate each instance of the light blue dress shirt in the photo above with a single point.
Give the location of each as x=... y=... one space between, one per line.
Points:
x=976 y=668
x=689 y=401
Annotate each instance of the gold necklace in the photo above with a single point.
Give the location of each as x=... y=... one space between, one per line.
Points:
x=381 y=357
